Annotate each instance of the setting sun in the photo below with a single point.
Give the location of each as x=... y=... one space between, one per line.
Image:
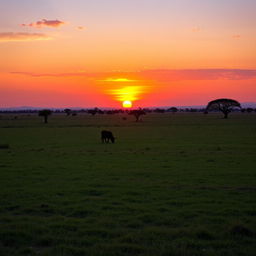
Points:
x=127 y=104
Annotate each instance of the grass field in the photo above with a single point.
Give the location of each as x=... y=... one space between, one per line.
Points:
x=174 y=184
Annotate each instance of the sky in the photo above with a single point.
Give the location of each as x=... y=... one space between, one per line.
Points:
x=99 y=53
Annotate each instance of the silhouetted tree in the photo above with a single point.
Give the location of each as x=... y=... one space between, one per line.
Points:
x=45 y=113
x=223 y=105
x=137 y=113
x=159 y=110
x=67 y=111
x=249 y=110
x=100 y=112
x=93 y=112
x=173 y=110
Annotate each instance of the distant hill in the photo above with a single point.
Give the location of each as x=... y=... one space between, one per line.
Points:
x=248 y=104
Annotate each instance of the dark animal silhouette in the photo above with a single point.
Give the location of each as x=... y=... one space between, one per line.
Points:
x=107 y=136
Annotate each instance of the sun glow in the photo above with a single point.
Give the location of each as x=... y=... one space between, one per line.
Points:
x=127 y=104
x=129 y=93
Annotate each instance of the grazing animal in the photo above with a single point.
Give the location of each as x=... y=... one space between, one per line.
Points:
x=106 y=136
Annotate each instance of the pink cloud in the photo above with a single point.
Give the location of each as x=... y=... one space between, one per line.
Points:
x=45 y=23
x=22 y=37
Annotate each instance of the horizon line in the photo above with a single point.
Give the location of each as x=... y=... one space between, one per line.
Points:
x=78 y=108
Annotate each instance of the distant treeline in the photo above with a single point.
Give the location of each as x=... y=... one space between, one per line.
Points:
x=94 y=111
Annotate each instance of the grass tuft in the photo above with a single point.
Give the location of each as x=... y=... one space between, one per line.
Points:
x=204 y=235
x=4 y=146
x=241 y=230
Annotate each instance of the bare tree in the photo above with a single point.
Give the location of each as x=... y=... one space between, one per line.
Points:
x=223 y=105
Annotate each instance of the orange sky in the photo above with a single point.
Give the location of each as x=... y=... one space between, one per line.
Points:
x=155 y=53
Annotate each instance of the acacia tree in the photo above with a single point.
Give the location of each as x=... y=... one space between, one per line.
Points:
x=45 y=113
x=223 y=105
x=173 y=110
x=137 y=113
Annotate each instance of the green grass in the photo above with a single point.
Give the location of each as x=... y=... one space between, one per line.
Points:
x=174 y=184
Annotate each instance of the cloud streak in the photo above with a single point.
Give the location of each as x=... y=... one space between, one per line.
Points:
x=22 y=37
x=130 y=93
x=200 y=74
x=157 y=75
x=124 y=80
x=80 y=28
x=45 y=23
x=237 y=36
x=51 y=74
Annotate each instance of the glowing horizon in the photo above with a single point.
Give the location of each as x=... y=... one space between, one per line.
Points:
x=168 y=53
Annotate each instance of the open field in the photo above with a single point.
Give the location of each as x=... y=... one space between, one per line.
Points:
x=174 y=184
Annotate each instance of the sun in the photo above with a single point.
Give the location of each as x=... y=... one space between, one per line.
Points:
x=127 y=104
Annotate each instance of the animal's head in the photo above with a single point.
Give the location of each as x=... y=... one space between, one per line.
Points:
x=112 y=139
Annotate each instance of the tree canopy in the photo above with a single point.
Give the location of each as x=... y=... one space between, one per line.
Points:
x=223 y=105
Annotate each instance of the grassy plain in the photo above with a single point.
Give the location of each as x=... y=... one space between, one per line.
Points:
x=174 y=184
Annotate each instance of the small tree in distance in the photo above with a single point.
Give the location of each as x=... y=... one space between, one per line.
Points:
x=173 y=110
x=223 y=105
x=45 y=113
x=137 y=113
x=93 y=112
x=67 y=111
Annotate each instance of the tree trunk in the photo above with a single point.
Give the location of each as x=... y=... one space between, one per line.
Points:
x=45 y=119
x=225 y=114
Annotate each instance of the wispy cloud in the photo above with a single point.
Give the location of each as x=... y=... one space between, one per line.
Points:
x=125 y=80
x=196 y=29
x=22 y=37
x=45 y=23
x=51 y=74
x=237 y=36
x=200 y=74
x=157 y=75
x=80 y=28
